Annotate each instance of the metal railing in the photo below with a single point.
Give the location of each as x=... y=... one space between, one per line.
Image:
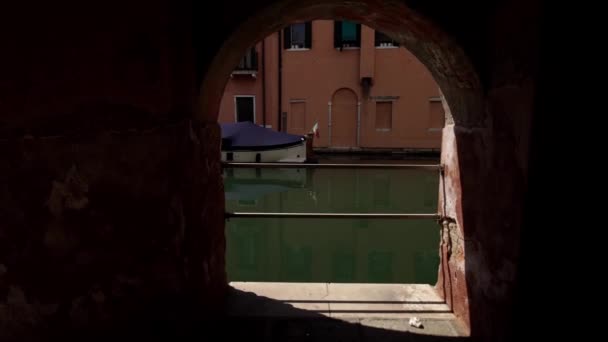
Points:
x=229 y=215
x=437 y=167
x=428 y=216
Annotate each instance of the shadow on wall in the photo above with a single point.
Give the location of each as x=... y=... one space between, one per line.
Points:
x=293 y=325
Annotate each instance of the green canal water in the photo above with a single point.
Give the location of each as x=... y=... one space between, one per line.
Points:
x=332 y=250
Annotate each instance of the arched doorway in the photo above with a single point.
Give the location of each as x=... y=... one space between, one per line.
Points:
x=450 y=67
x=343 y=118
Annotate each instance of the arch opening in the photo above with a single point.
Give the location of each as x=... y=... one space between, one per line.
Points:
x=460 y=89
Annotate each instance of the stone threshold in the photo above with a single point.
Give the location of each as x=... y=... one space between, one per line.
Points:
x=389 y=306
x=339 y=300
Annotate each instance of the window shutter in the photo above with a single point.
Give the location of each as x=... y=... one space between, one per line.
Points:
x=384 y=115
x=337 y=34
x=308 y=35
x=287 y=38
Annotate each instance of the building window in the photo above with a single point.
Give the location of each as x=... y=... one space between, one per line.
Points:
x=249 y=62
x=298 y=36
x=384 y=116
x=382 y=40
x=244 y=108
x=436 y=115
x=297 y=116
x=347 y=34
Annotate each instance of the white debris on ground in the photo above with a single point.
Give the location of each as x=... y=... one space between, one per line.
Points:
x=415 y=322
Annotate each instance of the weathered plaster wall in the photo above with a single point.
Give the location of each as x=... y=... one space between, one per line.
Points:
x=99 y=221
x=118 y=225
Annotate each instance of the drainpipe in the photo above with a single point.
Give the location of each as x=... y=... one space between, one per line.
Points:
x=329 y=124
x=263 y=58
x=280 y=49
x=358 y=124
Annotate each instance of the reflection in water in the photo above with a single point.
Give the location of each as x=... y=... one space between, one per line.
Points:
x=332 y=250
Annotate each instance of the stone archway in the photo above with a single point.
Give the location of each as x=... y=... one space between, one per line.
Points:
x=448 y=64
x=135 y=88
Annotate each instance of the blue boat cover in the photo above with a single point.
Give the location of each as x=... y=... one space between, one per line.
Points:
x=249 y=136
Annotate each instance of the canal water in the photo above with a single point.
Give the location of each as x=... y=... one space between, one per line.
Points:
x=332 y=250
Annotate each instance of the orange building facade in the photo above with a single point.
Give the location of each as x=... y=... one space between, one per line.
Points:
x=362 y=89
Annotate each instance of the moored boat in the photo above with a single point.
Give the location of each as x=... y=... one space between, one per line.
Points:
x=247 y=142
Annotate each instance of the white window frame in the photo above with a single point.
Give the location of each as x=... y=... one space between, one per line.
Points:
x=381 y=47
x=298 y=49
x=236 y=116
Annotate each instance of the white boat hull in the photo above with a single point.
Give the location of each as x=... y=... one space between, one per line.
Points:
x=291 y=154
